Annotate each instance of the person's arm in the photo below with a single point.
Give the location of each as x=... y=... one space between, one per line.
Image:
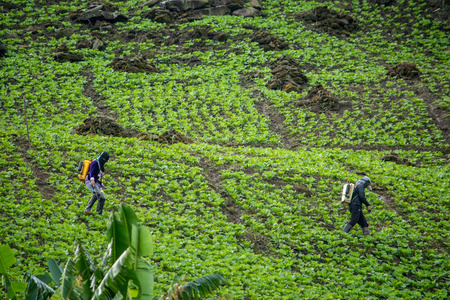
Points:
x=362 y=196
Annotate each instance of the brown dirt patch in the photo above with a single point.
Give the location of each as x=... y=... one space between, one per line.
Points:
x=261 y=243
x=103 y=126
x=287 y=75
x=188 y=39
x=301 y=189
x=405 y=70
x=232 y=211
x=269 y=42
x=7 y=7
x=133 y=64
x=97 y=100
x=189 y=61
x=42 y=177
x=276 y=124
x=329 y=21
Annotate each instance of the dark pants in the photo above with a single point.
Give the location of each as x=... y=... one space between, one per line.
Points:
x=357 y=216
x=97 y=195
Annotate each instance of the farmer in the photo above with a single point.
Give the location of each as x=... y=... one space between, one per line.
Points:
x=94 y=183
x=355 y=207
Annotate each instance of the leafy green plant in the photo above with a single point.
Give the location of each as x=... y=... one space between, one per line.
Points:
x=7 y=259
x=124 y=271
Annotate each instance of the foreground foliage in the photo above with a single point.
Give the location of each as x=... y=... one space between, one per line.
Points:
x=124 y=273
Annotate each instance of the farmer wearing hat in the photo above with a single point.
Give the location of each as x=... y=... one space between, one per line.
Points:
x=94 y=183
x=355 y=207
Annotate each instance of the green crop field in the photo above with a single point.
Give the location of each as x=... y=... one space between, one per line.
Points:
x=231 y=137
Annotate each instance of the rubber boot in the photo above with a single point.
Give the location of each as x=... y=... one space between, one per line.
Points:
x=347 y=228
x=366 y=231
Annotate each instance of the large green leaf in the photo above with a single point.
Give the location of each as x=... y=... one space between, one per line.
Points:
x=144 y=279
x=69 y=281
x=201 y=287
x=7 y=258
x=55 y=270
x=142 y=245
x=85 y=268
x=128 y=217
x=118 y=237
x=115 y=279
x=141 y=241
x=37 y=288
x=13 y=288
x=145 y=242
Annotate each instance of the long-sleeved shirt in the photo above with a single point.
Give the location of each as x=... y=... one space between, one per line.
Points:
x=94 y=172
x=358 y=192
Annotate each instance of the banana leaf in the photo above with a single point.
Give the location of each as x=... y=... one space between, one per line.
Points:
x=201 y=287
x=118 y=236
x=7 y=258
x=55 y=270
x=38 y=288
x=85 y=269
x=128 y=217
x=115 y=280
x=13 y=288
x=143 y=279
x=69 y=282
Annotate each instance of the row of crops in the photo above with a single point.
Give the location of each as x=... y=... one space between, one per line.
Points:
x=209 y=103
x=175 y=193
x=268 y=219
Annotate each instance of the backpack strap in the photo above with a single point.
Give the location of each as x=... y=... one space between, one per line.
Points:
x=100 y=171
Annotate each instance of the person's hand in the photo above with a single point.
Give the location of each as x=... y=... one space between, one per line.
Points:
x=103 y=186
x=369 y=209
x=92 y=183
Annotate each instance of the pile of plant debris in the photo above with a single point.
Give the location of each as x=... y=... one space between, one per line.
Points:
x=168 y=137
x=269 y=42
x=396 y=159
x=133 y=64
x=404 y=70
x=95 y=43
x=98 y=12
x=318 y=95
x=63 y=54
x=179 y=11
x=287 y=75
x=200 y=33
x=329 y=20
x=107 y=126
x=103 y=126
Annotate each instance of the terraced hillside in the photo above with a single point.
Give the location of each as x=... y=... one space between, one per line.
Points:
x=232 y=126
